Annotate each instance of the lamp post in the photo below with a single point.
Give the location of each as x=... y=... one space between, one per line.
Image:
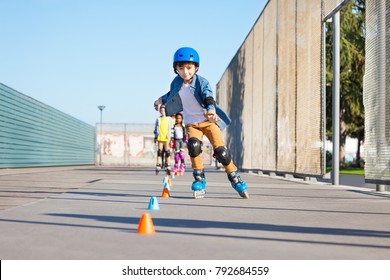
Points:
x=101 y=108
x=336 y=101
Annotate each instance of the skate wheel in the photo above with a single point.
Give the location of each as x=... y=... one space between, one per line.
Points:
x=244 y=194
x=199 y=194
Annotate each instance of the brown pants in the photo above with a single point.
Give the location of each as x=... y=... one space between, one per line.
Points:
x=214 y=134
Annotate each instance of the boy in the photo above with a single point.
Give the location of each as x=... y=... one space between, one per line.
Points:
x=191 y=94
x=162 y=134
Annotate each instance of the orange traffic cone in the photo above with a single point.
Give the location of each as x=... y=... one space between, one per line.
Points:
x=145 y=225
x=165 y=193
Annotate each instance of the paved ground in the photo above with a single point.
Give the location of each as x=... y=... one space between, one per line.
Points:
x=353 y=180
x=93 y=213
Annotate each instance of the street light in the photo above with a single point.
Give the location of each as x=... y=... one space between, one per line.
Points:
x=101 y=108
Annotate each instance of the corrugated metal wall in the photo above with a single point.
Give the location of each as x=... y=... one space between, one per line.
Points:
x=272 y=91
x=309 y=113
x=330 y=6
x=257 y=98
x=269 y=86
x=376 y=96
x=287 y=87
x=34 y=134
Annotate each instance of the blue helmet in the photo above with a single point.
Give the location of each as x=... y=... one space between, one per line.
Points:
x=186 y=55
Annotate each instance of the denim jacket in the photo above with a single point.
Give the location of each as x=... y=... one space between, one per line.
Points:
x=201 y=89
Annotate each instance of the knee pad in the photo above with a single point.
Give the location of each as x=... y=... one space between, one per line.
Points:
x=167 y=153
x=177 y=157
x=159 y=153
x=222 y=155
x=181 y=154
x=194 y=147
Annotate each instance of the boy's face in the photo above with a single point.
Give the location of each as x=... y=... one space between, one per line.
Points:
x=186 y=71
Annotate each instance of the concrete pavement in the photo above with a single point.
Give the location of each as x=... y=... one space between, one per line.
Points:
x=353 y=180
x=93 y=213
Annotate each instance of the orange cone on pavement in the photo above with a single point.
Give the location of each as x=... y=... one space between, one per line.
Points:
x=165 y=193
x=145 y=225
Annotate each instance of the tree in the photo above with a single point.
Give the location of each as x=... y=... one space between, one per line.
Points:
x=352 y=60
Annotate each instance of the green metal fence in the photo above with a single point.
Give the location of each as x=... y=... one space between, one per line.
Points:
x=34 y=134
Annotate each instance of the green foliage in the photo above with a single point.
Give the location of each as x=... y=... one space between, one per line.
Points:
x=348 y=170
x=352 y=60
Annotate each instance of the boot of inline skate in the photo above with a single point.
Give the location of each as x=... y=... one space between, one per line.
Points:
x=176 y=166
x=182 y=168
x=158 y=168
x=238 y=184
x=199 y=185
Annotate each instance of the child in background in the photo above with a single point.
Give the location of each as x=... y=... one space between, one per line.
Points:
x=162 y=135
x=179 y=140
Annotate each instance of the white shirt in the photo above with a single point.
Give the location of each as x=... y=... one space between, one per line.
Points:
x=192 y=111
x=178 y=132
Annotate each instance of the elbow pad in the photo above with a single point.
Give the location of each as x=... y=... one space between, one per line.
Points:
x=209 y=101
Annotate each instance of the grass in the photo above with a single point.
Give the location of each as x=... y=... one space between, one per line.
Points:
x=348 y=170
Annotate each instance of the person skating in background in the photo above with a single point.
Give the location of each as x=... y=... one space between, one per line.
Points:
x=179 y=138
x=162 y=135
x=191 y=94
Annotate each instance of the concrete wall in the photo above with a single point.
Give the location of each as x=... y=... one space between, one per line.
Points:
x=132 y=144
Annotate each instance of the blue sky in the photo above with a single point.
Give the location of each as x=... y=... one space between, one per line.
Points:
x=76 y=54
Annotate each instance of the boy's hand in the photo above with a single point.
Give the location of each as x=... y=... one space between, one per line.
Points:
x=157 y=104
x=211 y=116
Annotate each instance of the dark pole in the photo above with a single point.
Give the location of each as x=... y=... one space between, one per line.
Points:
x=101 y=108
x=336 y=100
